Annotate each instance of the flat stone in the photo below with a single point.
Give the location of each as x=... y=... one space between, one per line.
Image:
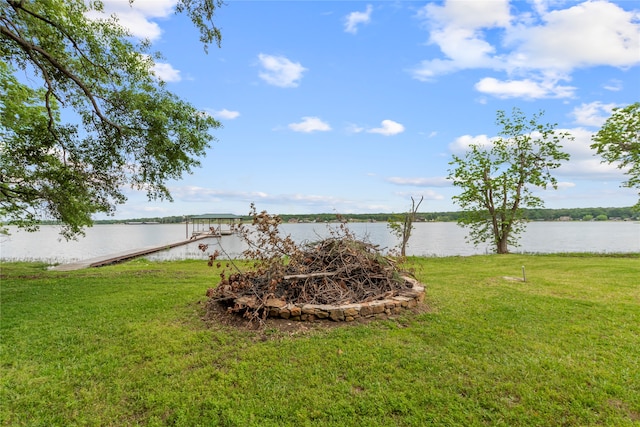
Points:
x=352 y=309
x=377 y=307
x=403 y=300
x=275 y=302
x=308 y=309
x=391 y=304
x=276 y=307
x=336 y=314
x=295 y=310
x=274 y=312
x=365 y=310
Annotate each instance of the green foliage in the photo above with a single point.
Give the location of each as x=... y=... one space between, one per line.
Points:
x=577 y=214
x=126 y=345
x=395 y=224
x=92 y=119
x=618 y=141
x=497 y=180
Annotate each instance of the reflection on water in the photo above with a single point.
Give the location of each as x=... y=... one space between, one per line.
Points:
x=428 y=239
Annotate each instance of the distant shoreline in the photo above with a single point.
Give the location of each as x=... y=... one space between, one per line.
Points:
x=570 y=214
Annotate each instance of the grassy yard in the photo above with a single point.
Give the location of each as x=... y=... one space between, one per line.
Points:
x=126 y=345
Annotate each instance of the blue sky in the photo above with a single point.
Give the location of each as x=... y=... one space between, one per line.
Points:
x=356 y=106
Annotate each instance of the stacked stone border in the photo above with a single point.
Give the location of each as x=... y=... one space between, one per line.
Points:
x=343 y=313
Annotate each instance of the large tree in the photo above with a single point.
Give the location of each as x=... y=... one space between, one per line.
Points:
x=618 y=141
x=497 y=179
x=82 y=115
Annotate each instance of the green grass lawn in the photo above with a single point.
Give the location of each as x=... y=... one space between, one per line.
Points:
x=126 y=345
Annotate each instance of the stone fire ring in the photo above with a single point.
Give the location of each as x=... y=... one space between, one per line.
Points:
x=277 y=308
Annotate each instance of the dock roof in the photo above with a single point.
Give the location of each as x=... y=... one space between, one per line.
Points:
x=216 y=216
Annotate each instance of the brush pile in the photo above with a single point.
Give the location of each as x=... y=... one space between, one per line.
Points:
x=335 y=271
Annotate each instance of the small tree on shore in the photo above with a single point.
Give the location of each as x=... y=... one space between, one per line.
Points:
x=497 y=180
x=402 y=225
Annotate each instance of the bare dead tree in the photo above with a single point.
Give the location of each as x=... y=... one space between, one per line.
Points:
x=402 y=225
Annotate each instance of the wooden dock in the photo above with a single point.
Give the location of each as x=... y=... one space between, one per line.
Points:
x=125 y=255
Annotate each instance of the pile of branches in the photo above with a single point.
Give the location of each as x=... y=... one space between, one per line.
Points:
x=335 y=271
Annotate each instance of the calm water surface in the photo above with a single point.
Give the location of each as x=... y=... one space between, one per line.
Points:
x=427 y=239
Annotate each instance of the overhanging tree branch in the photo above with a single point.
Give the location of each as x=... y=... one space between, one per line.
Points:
x=29 y=48
x=132 y=132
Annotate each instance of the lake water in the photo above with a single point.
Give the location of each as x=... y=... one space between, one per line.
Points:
x=427 y=239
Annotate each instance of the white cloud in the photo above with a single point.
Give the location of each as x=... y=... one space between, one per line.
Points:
x=461 y=144
x=592 y=33
x=457 y=31
x=165 y=72
x=420 y=182
x=613 y=85
x=464 y=50
x=225 y=114
x=354 y=128
x=389 y=127
x=527 y=88
x=592 y=114
x=580 y=147
x=536 y=50
x=584 y=162
x=280 y=71
x=202 y=194
x=190 y=193
x=356 y=18
x=310 y=124
x=427 y=194
x=469 y=14
x=564 y=185
x=591 y=169
x=137 y=17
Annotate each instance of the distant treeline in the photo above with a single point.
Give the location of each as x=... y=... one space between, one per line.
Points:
x=574 y=214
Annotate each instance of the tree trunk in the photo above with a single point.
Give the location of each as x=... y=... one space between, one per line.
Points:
x=407 y=225
x=501 y=245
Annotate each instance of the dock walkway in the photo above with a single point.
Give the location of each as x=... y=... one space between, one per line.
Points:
x=125 y=255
